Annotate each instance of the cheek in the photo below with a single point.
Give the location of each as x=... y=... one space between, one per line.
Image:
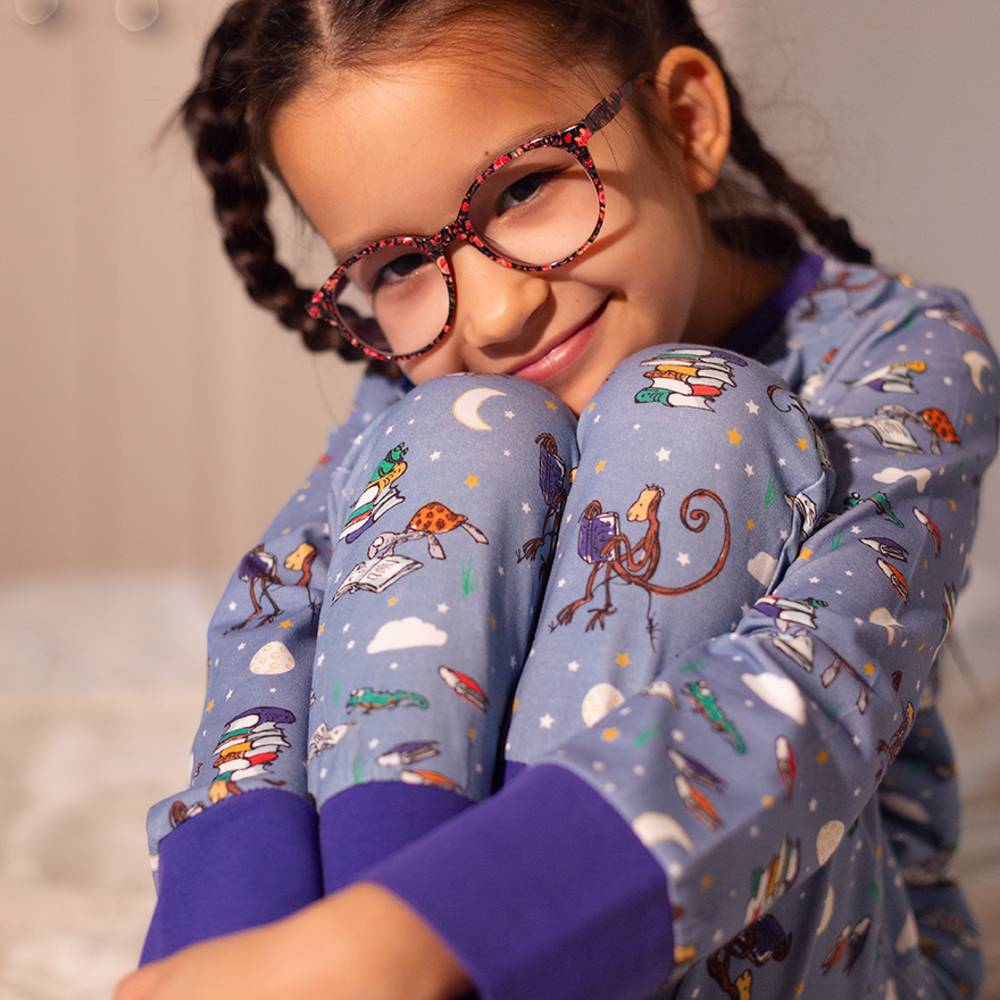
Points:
x=438 y=362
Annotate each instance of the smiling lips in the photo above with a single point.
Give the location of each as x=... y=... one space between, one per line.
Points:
x=564 y=353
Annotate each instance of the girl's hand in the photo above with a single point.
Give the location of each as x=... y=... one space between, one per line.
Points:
x=361 y=943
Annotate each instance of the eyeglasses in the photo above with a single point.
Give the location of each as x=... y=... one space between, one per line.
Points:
x=536 y=207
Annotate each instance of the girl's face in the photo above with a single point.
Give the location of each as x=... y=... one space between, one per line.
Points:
x=373 y=156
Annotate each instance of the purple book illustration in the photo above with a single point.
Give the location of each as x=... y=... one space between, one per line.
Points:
x=594 y=533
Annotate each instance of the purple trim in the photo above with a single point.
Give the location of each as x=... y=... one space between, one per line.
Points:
x=365 y=823
x=245 y=861
x=541 y=890
x=750 y=335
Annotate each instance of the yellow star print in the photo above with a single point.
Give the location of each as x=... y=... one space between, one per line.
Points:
x=735 y=437
x=471 y=481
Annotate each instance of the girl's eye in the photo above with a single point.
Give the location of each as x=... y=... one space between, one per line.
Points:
x=526 y=189
x=398 y=270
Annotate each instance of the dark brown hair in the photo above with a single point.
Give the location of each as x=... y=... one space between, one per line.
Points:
x=263 y=52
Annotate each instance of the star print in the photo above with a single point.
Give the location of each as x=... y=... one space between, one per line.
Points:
x=622 y=660
x=232 y=605
x=783 y=533
x=442 y=608
x=346 y=627
x=814 y=579
x=855 y=530
x=210 y=705
x=562 y=582
x=802 y=443
x=635 y=427
x=748 y=469
x=229 y=694
x=600 y=466
x=435 y=455
x=573 y=666
x=506 y=451
x=663 y=455
x=472 y=481
x=526 y=507
x=812 y=805
x=752 y=407
x=734 y=435
x=781 y=461
x=509 y=414
x=373 y=743
x=499 y=570
x=683 y=558
x=242 y=645
x=546 y=721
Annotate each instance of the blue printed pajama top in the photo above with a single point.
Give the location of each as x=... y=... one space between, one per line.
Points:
x=815 y=864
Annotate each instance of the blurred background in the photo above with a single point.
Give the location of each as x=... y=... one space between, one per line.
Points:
x=157 y=419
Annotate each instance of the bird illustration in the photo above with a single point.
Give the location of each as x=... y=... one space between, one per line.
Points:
x=695 y=770
x=379 y=496
x=896 y=578
x=932 y=528
x=697 y=803
x=787 y=769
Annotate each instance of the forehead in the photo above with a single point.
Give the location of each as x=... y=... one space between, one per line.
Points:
x=377 y=154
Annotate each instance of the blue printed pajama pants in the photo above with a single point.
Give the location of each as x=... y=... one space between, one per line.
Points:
x=506 y=578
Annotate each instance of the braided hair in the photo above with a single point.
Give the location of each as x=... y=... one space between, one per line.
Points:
x=263 y=51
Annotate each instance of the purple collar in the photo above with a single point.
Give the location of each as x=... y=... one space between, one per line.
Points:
x=750 y=335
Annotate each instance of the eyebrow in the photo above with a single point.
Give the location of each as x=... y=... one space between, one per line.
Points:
x=511 y=141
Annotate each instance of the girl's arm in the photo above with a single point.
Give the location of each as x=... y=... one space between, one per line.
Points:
x=238 y=846
x=522 y=886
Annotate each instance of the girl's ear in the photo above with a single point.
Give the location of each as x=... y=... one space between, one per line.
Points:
x=690 y=100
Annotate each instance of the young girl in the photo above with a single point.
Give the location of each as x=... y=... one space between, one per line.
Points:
x=597 y=655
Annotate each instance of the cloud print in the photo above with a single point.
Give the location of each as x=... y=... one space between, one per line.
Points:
x=405 y=633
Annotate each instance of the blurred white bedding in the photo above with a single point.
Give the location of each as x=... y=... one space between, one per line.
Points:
x=103 y=682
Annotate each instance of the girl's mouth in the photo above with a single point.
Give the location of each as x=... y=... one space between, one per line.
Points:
x=565 y=353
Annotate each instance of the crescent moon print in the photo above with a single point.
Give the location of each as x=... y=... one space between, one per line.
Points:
x=465 y=409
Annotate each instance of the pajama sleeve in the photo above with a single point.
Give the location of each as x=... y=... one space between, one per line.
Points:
x=587 y=872
x=238 y=846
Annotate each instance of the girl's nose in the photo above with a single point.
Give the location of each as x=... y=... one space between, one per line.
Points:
x=494 y=304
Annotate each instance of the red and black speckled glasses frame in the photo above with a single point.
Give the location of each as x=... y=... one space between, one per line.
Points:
x=573 y=139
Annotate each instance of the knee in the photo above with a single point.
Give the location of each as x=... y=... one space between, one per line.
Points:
x=470 y=436
x=710 y=404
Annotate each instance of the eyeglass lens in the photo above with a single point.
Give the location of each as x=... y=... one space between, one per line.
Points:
x=538 y=208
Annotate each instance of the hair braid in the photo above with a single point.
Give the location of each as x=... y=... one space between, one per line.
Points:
x=214 y=116
x=833 y=232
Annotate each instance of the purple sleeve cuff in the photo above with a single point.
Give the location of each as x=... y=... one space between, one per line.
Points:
x=365 y=823
x=244 y=861
x=541 y=890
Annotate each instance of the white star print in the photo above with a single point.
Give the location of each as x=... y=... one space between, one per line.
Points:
x=562 y=582
x=752 y=406
x=320 y=659
x=442 y=608
x=509 y=414
x=232 y=605
x=855 y=530
x=526 y=507
x=499 y=570
x=663 y=455
x=229 y=694
x=783 y=533
x=373 y=743
x=573 y=666
x=635 y=427
x=242 y=645
x=546 y=721
x=506 y=451
x=435 y=455
x=812 y=805
x=683 y=558
x=350 y=644
x=748 y=469
x=781 y=461
x=346 y=627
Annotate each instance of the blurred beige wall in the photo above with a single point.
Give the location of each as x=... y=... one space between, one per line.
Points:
x=155 y=417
